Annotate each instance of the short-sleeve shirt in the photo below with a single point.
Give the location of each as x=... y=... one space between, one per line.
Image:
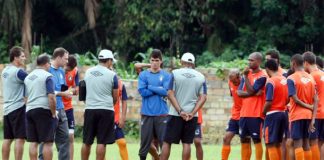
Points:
x=122 y=96
x=253 y=106
x=72 y=80
x=319 y=80
x=303 y=85
x=59 y=80
x=277 y=92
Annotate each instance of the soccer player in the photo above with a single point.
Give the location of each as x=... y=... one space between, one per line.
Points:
x=101 y=96
x=319 y=63
x=233 y=124
x=303 y=103
x=274 y=54
x=41 y=117
x=318 y=76
x=72 y=82
x=274 y=109
x=152 y=85
x=14 y=106
x=186 y=102
x=60 y=59
x=251 y=89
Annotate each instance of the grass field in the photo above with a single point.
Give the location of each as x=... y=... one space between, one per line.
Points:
x=211 y=152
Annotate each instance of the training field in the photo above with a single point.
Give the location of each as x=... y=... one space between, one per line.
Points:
x=211 y=152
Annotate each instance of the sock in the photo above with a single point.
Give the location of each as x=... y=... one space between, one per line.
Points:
x=258 y=151
x=246 y=151
x=122 y=148
x=315 y=152
x=308 y=154
x=267 y=154
x=279 y=152
x=225 y=152
x=273 y=153
x=299 y=153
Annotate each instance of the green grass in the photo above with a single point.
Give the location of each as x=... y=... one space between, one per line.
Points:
x=211 y=152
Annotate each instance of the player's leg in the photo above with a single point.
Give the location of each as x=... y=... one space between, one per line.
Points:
x=186 y=151
x=297 y=136
x=48 y=151
x=8 y=137
x=121 y=142
x=70 y=118
x=246 y=150
x=232 y=129
x=19 y=130
x=105 y=132
x=313 y=142
x=89 y=129
x=199 y=149
x=146 y=136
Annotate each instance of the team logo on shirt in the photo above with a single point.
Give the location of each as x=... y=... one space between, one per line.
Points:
x=322 y=78
x=33 y=77
x=283 y=82
x=188 y=75
x=70 y=78
x=5 y=75
x=161 y=78
x=305 y=80
x=96 y=73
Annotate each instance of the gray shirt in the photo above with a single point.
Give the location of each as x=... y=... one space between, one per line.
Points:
x=188 y=84
x=37 y=90
x=13 y=88
x=100 y=82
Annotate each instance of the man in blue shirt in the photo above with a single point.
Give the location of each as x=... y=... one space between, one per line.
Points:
x=60 y=59
x=152 y=85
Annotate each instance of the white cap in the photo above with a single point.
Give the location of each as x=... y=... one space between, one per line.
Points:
x=105 y=54
x=188 y=57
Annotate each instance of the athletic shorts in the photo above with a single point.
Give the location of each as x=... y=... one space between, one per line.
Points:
x=119 y=133
x=299 y=129
x=98 y=123
x=14 y=124
x=319 y=130
x=40 y=125
x=198 y=133
x=233 y=126
x=178 y=129
x=274 y=127
x=70 y=117
x=250 y=127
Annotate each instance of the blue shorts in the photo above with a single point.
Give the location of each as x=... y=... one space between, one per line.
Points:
x=299 y=129
x=319 y=131
x=274 y=127
x=119 y=133
x=70 y=117
x=198 y=133
x=233 y=126
x=251 y=127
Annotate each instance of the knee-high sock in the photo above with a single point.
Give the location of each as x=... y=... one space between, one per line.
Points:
x=299 y=153
x=308 y=154
x=273 y=153
x=246 y=151
x=225 y=152
x=315 y=152
x=122 y=148
x=258 y=151
x=279 y=152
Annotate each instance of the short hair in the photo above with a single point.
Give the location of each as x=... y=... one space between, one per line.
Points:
x=309 y=57
x=15 y=52
x=59 y=52
x=298 y=59
x=290 y=72
x=272 y=65
x=319 y=61
x=274 y=54
x=156 y=53
x=72 y=62
x=104 y=60
x=42 y=59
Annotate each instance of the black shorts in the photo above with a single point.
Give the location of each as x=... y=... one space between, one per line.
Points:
x=98 y=123
x=233 y=126
x=14 y=124
x=40 y=125
x=70 y=117
x=251 y=127
x=178 y=129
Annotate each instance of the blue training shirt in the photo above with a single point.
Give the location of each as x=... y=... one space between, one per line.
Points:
x=153 y=88
x=59 y=80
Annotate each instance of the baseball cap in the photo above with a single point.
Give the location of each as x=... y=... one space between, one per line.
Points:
x=188 y=57
x=105 y=54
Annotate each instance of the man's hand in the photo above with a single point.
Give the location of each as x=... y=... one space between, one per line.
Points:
x=311 y=128
x=190 y=116
x=67 y=94
x=121 y=123
x=246 y=71
x=259 y=93
x=184 y=115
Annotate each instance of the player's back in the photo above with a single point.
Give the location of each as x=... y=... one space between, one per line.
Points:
x=319 y=80
x=280 y=93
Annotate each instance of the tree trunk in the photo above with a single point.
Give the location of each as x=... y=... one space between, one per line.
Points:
x=26 y=28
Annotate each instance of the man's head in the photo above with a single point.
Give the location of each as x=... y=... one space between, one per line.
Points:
x=319 y=62
x=106 y=57
x=271 y=67
x=296 y=62
x=255 y=60
x=234 y=77
x=309 y=60
x=43 y=61
x=188 y=60
x=60 y=57
x=156 y=59
x=273 y=54
x=17 y=55
x=72 y=63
